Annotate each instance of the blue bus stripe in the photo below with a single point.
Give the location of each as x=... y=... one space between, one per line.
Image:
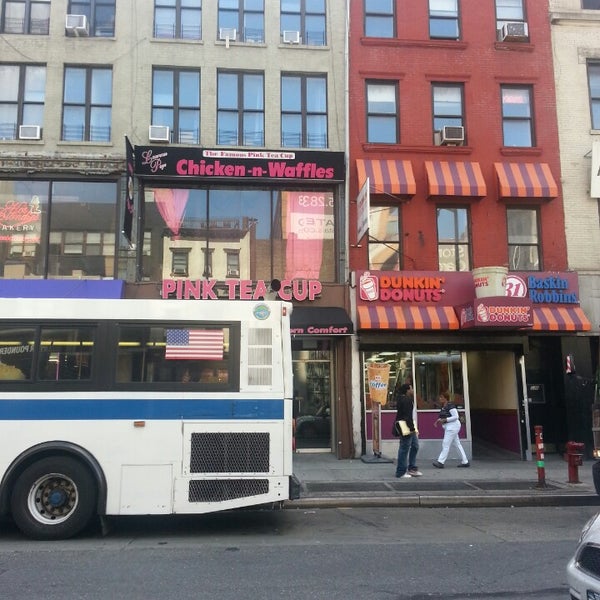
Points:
x=140 y=410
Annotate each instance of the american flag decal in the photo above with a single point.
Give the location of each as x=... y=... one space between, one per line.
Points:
x=202 y=344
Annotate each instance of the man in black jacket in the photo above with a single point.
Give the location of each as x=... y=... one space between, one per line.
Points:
x=409 y=444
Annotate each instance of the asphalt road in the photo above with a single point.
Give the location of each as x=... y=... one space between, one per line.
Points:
x=333 y=554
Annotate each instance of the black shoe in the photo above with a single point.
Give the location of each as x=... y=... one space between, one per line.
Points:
x=437 y=464
x=464 y=465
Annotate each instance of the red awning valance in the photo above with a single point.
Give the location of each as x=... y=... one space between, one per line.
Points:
x=407 y=317
x=525 y=180
x=455 y=179
x=387 y=176
x=560 y=318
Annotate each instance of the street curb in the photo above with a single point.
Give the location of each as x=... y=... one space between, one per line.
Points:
x=426 y=501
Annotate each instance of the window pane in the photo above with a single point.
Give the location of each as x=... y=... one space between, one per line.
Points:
x=517 y=133
x=227 y=90
x=515 y=103
x=253 y=92
x=382 y=129
x=253 y=129
x=315 y=95
x=509 y=10
x=16 y=353
x=189 y=89
x=35 y=84
x=100 y=124
x=74 y=123
x=162 y=88
x=291 y=93
x=381 y=98
x=291 y=131
x=101 y=86
x=522 y=226
x=165 y=22
x=316 y=127
x=9 y=83
x=75 y=86
x=384 y=223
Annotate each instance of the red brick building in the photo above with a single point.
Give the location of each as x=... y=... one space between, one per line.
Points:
x=452 y=119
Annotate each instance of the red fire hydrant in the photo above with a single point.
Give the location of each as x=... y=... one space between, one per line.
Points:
x=575 y=459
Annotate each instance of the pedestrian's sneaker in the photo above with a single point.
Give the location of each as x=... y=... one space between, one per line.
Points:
x=415 y=473
x=437 y=464
x=464 y=465
x=405 y=476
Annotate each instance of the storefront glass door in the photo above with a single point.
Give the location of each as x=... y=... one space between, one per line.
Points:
x=312 y=399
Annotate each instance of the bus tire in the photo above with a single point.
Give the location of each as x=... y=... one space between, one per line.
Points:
x=53 y=498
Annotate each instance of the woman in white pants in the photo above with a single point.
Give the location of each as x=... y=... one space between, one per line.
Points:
x=450 y=421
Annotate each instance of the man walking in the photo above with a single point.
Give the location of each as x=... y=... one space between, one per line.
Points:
x=409 y=443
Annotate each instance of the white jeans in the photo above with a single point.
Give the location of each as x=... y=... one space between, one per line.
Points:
x=451 y=439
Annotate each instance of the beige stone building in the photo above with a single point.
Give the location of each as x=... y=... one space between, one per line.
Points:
x=576 y=48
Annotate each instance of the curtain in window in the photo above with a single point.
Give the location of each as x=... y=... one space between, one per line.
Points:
x=171 y=206
x=307 y=226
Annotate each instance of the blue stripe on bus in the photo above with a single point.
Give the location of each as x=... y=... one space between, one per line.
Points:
x=92 y=410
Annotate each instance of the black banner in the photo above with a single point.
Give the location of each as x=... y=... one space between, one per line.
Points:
x=129 y=203
x=221 y=164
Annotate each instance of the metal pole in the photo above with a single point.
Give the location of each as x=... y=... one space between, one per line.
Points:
x=539 y=449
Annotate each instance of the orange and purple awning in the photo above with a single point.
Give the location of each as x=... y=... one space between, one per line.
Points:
x=525 y=180
x=387 y=176
x=560 y=318
x=407 y=317
x=455 y=179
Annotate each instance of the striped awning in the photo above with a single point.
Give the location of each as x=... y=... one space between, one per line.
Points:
x=525 y=180
x=560 y=318
x=387 y=176
x=455 y=178
x=407 y=317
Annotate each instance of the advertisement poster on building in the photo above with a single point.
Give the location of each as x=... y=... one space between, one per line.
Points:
x=378 y=376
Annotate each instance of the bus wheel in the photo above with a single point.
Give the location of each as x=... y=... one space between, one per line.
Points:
x=53 y=498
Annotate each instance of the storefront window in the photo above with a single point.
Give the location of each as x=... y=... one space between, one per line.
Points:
x=23 y=213
x=240 y=233
x=432 y=374
x=82 y=229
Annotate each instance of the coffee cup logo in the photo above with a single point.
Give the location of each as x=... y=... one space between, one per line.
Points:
x=369 y=287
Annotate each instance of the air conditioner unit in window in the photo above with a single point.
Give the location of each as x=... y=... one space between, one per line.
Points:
x=227 y=34
x=452 y=136
x=291 y=37
x=77 y=25
x=514 y=32
x=30 y=132
x=233 y=273
x=159 y=133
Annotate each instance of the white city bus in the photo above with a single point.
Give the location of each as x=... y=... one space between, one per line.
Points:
x=142 y=407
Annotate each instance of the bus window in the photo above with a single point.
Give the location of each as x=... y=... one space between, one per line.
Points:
x=66 y=353
x=164 y=355
x=16 y=353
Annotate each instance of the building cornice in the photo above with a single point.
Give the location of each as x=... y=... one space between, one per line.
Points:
x=64 y=164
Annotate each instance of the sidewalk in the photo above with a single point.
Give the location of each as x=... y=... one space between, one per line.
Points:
x=329 y=482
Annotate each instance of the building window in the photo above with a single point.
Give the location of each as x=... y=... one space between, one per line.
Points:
x=382 y=112
x=176 y=103
x=233 y=262
x=447 y=106
x=304 y=111
x=594 y=84
x=523 y=239
x=307 y=17
x=178 y=19
x=247 y=17
x=58 y=229
x=255 y=232
x=87 y=104
x=509 y=11
x=240 y=109
x=443 y=19
x=379 y=18
x=22 y=93
x=590 y=4
x=100 y=15
x=385 y=242
x=180 y=259
x=517 y=121
x=454 y=251
x=26 y=16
